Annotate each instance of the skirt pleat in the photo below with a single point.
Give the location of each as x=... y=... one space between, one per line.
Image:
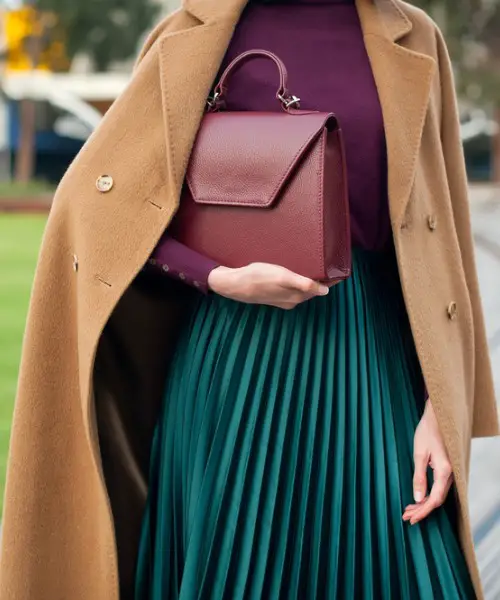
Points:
x=283 y=456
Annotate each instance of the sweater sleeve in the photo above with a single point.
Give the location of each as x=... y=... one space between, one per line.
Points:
x=176 y=260
x=485 y=412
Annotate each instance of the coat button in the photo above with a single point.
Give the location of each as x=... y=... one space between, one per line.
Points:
x=432 y=222
x=104 y=183
x=182 y=276
x=452 y=311
x=166 y=268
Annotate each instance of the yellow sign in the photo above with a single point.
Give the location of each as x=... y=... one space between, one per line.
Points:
x=32 y=41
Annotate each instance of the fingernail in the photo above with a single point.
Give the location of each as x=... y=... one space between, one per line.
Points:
x=323 y=290
x=419 y=496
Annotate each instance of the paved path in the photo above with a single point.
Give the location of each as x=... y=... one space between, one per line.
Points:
x=485 y=467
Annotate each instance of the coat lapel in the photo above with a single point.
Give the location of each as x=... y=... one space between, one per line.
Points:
x=403 y=78
x=189 y=62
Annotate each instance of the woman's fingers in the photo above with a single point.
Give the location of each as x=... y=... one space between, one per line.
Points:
x=421 y=460
x=413 y=507
x=439 y=492
x=306 y=286
x=262 y=283
x=420 y=475
x=428 y=449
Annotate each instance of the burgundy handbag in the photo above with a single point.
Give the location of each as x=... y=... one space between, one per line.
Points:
x=267 y=186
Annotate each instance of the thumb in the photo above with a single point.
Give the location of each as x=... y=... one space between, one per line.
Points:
x=308 y=286
x=420 y=476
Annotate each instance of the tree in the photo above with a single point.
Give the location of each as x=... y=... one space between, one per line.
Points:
x=471 y=29
x=106 y=30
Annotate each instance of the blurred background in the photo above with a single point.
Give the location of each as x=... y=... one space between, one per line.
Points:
x=62 y=64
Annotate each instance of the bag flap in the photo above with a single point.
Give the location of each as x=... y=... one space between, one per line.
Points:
x=245 y=158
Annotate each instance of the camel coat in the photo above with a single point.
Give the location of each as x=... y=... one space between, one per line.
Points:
x=99 y=335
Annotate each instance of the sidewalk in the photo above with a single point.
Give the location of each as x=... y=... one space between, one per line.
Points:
x=485 y=465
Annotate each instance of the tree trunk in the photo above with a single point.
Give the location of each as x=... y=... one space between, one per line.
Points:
x=25 y=157
x=5 y=174
x=495 y=148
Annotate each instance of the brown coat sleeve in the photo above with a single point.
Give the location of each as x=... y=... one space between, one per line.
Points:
x=179 y=257
x=485 y=412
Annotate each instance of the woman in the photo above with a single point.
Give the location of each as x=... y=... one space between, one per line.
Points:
x=335 y=384
x=174 y=444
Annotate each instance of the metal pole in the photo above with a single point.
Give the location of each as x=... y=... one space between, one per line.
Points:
x=25 y=158
x=5 y=173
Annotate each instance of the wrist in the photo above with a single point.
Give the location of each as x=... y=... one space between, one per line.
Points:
x=429 y=410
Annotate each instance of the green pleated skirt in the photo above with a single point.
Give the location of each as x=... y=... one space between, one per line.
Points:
x=282 y=459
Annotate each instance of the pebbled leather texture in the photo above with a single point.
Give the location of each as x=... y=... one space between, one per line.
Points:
x=268 y=187
x=232 y=170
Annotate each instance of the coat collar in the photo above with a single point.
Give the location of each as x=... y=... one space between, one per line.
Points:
x=395 y=22
x=402 y=75
x=214 y=10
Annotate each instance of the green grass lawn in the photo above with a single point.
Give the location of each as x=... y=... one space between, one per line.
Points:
x=20 y=237
x=33 y=188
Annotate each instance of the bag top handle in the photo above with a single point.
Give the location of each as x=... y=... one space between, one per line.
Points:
x=217 y=101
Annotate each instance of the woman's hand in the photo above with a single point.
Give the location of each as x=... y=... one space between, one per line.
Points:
x=429 y=450
x=262 y=283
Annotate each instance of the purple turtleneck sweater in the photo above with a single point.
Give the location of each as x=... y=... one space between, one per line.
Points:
x=321 y=44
